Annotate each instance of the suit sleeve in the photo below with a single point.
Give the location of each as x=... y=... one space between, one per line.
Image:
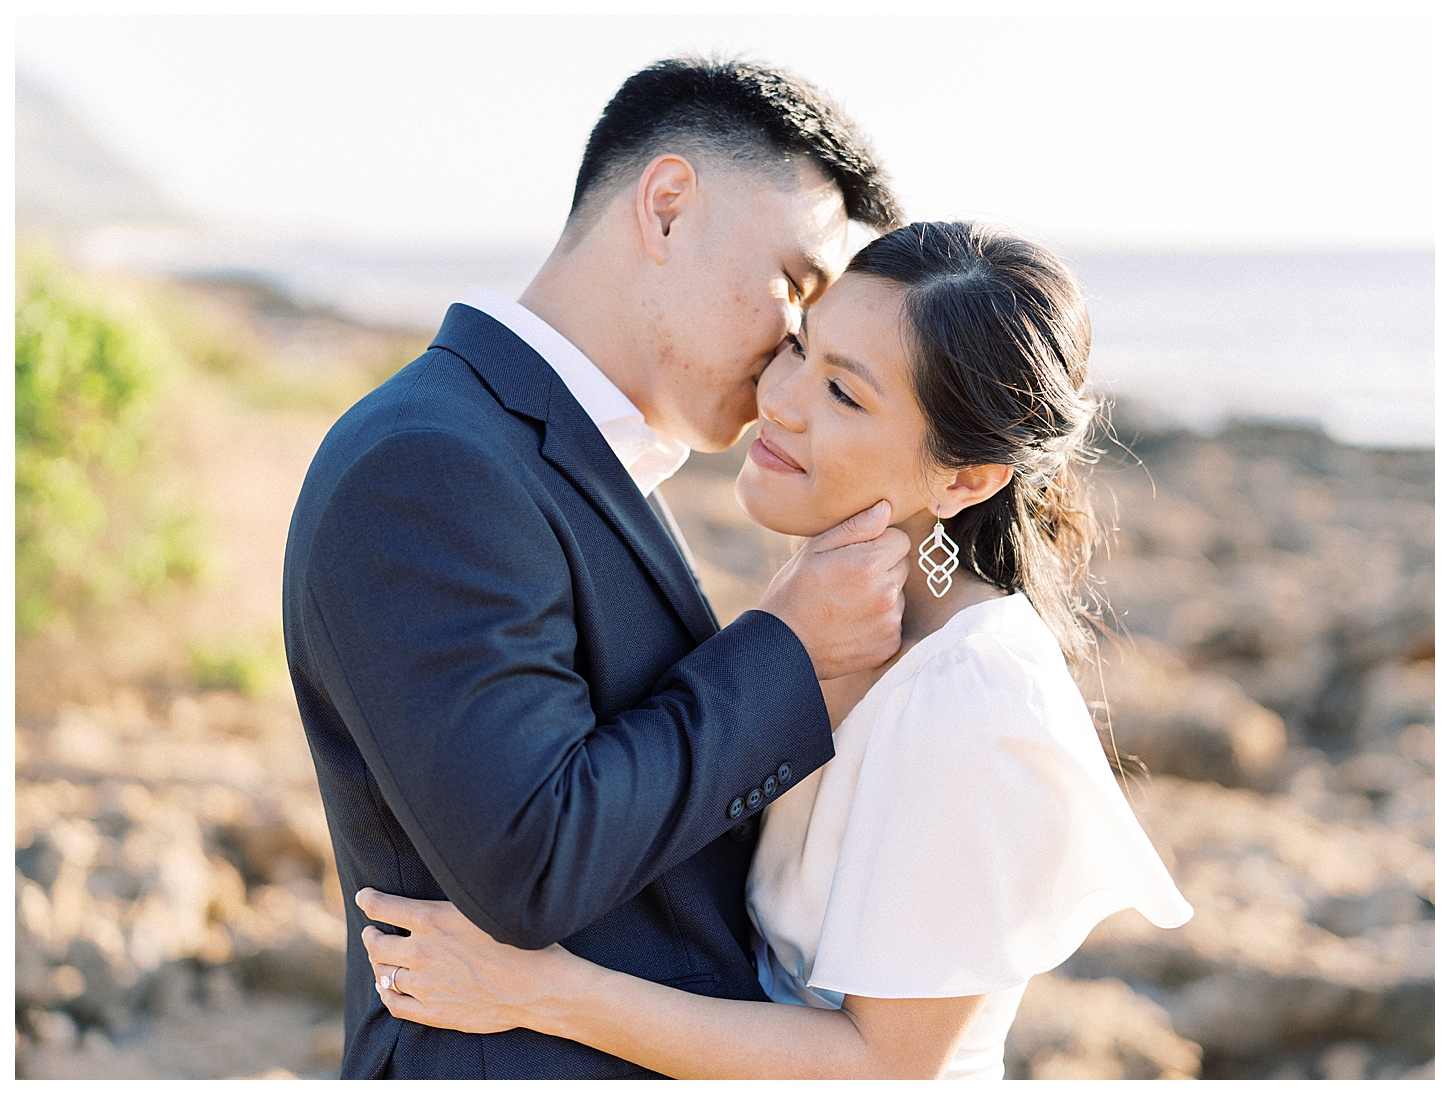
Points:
x=441 y=619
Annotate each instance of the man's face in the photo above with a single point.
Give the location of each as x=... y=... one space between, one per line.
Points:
x=762 y=250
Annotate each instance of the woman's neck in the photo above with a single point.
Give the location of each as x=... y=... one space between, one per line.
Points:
x=925 y=612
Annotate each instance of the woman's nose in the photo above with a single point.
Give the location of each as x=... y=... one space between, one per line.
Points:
x=775 y=394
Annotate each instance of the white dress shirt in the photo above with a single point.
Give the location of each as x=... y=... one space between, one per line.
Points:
x=649 y=458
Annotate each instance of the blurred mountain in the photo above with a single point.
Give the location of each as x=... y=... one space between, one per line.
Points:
x=67 y=178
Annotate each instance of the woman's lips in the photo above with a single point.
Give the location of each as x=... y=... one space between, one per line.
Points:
x=772 y=459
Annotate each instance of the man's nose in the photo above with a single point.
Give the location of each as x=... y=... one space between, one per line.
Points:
x=794 y=310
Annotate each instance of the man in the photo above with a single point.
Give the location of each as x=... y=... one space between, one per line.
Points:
x=515 y=695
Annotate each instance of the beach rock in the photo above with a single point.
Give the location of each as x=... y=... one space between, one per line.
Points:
x=291 y=946
x=1398 y=696
x=147 y=889
x=1393 y=783
x=260 y=1037
x=1304 y=930
x=1102 y=1030
x=1182 y=723
x=1295 y=566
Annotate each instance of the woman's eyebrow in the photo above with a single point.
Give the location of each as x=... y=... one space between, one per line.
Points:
x=856 y=368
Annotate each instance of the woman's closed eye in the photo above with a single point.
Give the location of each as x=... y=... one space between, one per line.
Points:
x=840 y=396
x=796 y=347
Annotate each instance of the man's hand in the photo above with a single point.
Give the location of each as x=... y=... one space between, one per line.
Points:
x=841 y=593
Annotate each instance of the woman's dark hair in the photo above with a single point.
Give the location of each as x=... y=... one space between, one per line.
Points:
x=1001 y=336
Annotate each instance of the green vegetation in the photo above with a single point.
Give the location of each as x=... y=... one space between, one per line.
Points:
x=87 y=529
x=252 y=671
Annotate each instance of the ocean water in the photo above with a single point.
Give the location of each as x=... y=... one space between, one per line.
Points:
x=1341 y=340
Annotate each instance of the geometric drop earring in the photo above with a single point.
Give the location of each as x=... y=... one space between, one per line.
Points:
x=938 y=574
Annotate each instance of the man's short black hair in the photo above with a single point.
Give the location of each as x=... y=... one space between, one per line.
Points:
x=743 y=111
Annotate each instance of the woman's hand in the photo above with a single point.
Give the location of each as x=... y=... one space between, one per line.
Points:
x=449 y=972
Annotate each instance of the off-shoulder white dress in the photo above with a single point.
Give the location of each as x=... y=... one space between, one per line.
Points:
x=967 y=835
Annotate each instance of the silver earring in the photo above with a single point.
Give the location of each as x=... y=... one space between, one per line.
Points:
x=938 y=575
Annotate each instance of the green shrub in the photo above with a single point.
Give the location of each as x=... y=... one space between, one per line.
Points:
x=249 y=670
x=86 y=532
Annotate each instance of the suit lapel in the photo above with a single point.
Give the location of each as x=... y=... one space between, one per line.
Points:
x=667 y=518
x=526 y=384
x=574 y=445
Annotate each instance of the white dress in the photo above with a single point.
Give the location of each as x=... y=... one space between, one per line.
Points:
x=967 y=834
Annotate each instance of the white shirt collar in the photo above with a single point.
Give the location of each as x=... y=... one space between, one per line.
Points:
x=649 y=458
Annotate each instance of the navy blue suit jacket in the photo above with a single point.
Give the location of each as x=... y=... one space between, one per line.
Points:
x=517 y=698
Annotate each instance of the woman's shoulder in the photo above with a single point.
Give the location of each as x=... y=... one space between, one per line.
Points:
x=995 y=646
x=994 y=678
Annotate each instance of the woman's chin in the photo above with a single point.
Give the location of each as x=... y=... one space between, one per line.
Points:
x=775 y=514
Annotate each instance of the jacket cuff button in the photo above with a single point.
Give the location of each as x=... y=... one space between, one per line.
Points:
x=736 y=809
x=752 y=800
x=769 y=786
x=784 y=773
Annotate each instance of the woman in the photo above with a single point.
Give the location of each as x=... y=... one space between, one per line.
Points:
x=969 y=832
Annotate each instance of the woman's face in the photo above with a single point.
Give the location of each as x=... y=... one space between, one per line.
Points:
x=840 y=427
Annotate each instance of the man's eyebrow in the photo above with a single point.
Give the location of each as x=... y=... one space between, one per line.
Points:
x=855 y=368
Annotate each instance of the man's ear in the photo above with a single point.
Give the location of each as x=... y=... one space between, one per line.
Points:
x=666 y=187
x=972 y=485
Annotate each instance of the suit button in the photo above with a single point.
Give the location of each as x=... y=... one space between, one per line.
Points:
x=784 y=773
x=736 y=809
x=769 y=786
x=753 y=799
x=744 y=831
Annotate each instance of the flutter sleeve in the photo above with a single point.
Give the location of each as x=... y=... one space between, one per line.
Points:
x=987 y=835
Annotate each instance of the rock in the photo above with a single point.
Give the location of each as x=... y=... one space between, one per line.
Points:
x=1393 y=785
x=1072 y=1030
x=1396 y=696
x=169 y=920
x=1342 y=1060
x=1346 y=1061
x=1289 y=564
x=54 y=1029
x=111 y=986
x=251 y=1038
x=1177 y=722
x=132 y=889
x=1253 y=970
x=1392 y=906
x=292 y=946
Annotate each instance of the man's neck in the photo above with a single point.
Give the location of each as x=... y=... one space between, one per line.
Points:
x=575 y=292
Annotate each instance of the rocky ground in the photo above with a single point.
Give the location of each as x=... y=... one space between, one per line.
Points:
x=177 y=915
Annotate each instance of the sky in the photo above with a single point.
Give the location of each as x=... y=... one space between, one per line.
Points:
x=1106 y=124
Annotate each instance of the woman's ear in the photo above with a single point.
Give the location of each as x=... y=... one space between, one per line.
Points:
x=972 y=485
x=666 y=187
